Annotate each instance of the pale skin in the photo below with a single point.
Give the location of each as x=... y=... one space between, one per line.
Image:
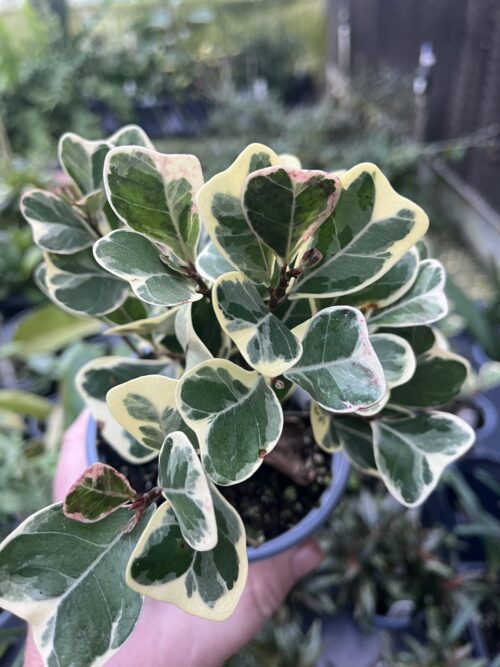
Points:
x=165 y=636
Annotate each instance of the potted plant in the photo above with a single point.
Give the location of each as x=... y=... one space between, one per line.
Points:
x=236 y=295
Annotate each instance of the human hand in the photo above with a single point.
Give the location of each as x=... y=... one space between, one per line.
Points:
x=166 y=636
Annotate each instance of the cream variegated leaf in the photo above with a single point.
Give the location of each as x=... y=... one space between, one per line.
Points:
x=236 y=416
x=146 y=408
x=370 y=229
x=376 y=408
x=424 y=303
x=412 y=453
x=83 y=161
x=219 y=203
x=187 y=489
x=351 y=434
x=285 y=206
x=74 y=281
x=195 y=350
x=56 y=226
x=396 y=356
x=265 y=343
x=133 y=257
x=62 y=575
x=93 y=382
x=338 y=367
x=203 y=583
x=155 y=194
x=210 y=264
x=155 y=326
x=390 y=287
x=130 y=135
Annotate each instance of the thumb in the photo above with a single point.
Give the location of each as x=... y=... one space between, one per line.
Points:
x=270 y=580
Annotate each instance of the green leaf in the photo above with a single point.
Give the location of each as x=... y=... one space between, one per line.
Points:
x=155 y=326
x=236 y=416
x=79 y=285
x=219 y=203
x=264 y=342
x=24 y=403
x=369 y=230
x=203 y=583
x=134 y=258
x=130 y=135
x=146 y=408
x=67 y=580
x=389 y=288
x=56 y=226
x=438 y=377
x=154 y=194
x=396 y=356
x=186 y=487
x=286 y=206
x=338 y=367
x=424 y=303
x=353 y=435
x=83 y=161
x=48 y=329
x=96 y=378
x=412 y=453
x=98 y=492
x=210 y=264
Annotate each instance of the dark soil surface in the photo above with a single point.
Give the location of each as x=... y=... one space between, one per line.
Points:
x=270 y=502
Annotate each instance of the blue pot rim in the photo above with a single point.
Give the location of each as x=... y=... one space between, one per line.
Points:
x=300 y=532
x=490 y=415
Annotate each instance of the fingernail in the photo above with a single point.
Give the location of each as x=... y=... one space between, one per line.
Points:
x=306 y=557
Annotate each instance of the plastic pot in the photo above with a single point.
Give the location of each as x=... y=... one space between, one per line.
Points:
x=300 y=532
x=10 y=622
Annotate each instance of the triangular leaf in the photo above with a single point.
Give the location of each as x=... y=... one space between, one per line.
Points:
x=130 y=135
x=62 y=575
x=369 y=230
x=203 y=583
x=83 y=161
x=134 y=258
x=236 y=416
x=186 y=487
x=56 y=226
x=412 y=453
x=338 y=367
x=219 y=203
x=424 y=303
x=155 y=195
x=98 y=492
x=264 y=341
x=285 y=206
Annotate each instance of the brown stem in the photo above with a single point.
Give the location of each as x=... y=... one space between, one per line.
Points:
x=191 y=271
x=140 y=505
x=278 y=293
x=283 y=460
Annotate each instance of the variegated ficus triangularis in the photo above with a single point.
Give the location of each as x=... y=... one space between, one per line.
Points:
x=265 y=279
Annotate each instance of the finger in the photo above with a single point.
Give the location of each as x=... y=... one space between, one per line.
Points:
x=32 y=657
x=72 y=460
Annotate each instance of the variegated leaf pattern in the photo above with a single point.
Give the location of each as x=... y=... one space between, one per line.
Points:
x=353 y=435
x=155 y=326
x=286 y=206
x=203 y=583
x=219 y=203
x=79 y=285
x=186 y=487
x=210 y=264
x=236 y=416
x=338 y=367
x=389 y=288
x=424 y=303
x=370 y=229
x=130 y=135
x=412 y=453
x=83 y=161
x=56 y=226
x=99 y=491
x=439 y=374
x=265 y=343
x=93 y=382
x=155 y=195
x=62 y=575
x=396 y=356
x=133 y=257
x=146 y=408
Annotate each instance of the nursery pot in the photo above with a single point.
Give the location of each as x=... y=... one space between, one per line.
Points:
x=301 y=531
